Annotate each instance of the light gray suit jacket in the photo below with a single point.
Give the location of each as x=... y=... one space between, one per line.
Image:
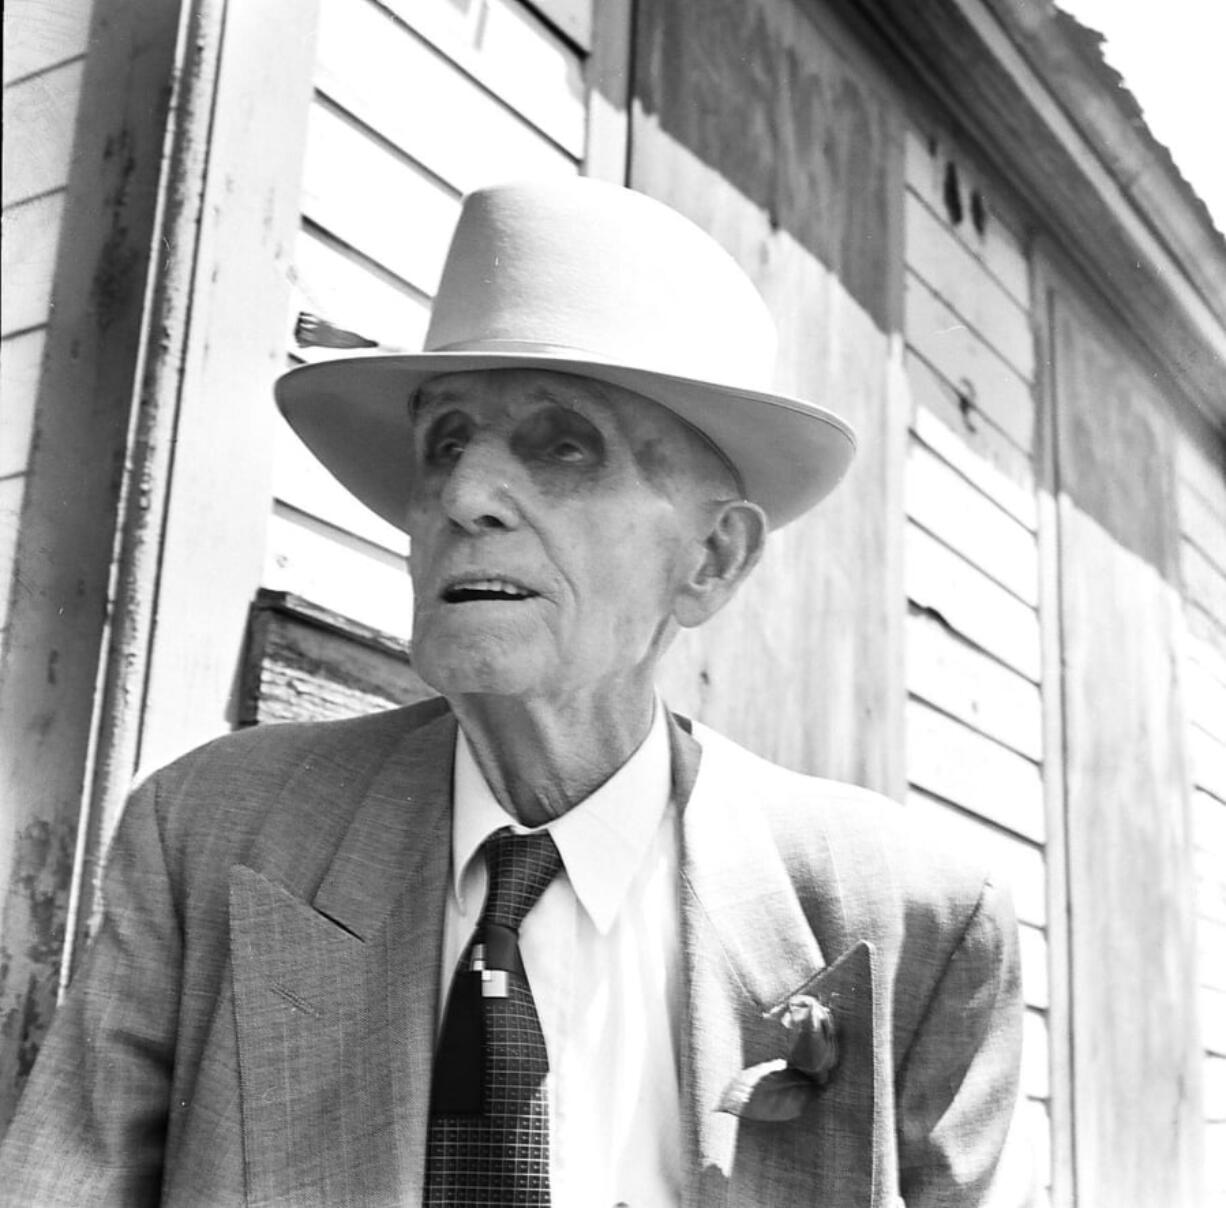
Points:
x=254 y=1023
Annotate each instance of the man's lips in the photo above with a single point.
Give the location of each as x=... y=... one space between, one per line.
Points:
x=471 y=588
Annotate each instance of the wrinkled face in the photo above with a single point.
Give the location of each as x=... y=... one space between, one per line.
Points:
x=553 y=520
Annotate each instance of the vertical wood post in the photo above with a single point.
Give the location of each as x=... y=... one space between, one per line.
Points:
x=77 y=469
x=1132 y=953
x=194 y=531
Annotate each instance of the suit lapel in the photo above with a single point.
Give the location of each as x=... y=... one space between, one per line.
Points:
x=748 y=947
x=336 y=999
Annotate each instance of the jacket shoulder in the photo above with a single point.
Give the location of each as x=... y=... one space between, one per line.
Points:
x=282 y=795
x=893 y=870
x=285 y=747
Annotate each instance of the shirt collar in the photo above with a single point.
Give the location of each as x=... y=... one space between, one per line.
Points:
x=603 y=840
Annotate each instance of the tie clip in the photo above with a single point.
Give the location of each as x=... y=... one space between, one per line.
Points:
x=493 y=981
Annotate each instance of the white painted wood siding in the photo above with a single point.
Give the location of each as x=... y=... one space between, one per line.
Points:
x=1202 y=516
x=975 y=753
x=416 y=103
x=44 y=55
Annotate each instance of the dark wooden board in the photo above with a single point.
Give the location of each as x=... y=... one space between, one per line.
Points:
x=305 y=663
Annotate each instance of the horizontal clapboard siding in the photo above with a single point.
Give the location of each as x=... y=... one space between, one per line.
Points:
x=975 y=754
x=1201 y=489
x=44 y=54
x=416 y=103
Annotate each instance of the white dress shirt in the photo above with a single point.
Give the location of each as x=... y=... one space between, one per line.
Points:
x=602 y=951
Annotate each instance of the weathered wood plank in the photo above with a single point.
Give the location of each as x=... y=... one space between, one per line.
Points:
x=1215 y=1164
x=95 y=240
x=388 y=78
x=12 y=490
x=1204 y=583
x=1017 y=863
x=955 y=677
x=1213 y=1020
x=39 y=125
x=1036 y=982
x=970 y=364
x=608 y=77
x=215 y=534
x=514 y=54
x=1215 y=1089
x=1202 y=526
x=1035 y=1062
x=958 y=414
x=333 y=283
x=1208 y=762
x=749 y=91
x=1200 y=463
x=964 y=284
x=304 y=663
x=1206 y=628
x=27 y=262
x=1210 y=885
x=928 y=160
x=1037 y=1124
x=1209 y=825
x=954 y=763
x=338 y=571
x=998 y=468
x=970 y=603
x=41 y=33
x=1130 y=882
x=805 y=666
x=970 y=522
x=21 y=358
x=1061 y=1164
x=356 y=189
x=1204 y=687
x=1118 y=420
x=1211 y=952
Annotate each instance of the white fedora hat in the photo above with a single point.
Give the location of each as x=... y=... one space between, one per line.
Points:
x=586 y=278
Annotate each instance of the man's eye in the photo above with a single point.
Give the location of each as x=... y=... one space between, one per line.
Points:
x=558 y=435
x=448 y=449
x=446 y=440
x=570 y=451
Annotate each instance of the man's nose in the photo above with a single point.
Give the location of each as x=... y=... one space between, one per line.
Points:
x=478 y=495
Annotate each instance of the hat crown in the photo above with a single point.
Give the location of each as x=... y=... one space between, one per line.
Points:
x=578 y=267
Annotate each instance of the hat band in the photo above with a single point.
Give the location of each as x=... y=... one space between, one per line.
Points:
x=531 y=348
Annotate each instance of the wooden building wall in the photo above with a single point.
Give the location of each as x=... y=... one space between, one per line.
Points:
x=43 y=70
x=381 y=193
x=1200 y=487
x=1012 y=616
x=44 y=53
x=977 y=758
x=1127 y=831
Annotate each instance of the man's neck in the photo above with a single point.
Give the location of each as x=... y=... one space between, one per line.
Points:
x=541 y=760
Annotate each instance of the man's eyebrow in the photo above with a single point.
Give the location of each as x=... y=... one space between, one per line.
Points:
x=426 y=397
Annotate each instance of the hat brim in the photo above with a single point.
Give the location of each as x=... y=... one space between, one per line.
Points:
x=353 y=415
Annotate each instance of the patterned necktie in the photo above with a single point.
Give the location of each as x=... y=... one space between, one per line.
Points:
x=489 y=1119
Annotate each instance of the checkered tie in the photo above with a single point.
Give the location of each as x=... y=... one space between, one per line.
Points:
x=489 y=1119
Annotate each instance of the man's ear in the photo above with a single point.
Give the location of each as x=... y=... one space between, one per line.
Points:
x=731 y=549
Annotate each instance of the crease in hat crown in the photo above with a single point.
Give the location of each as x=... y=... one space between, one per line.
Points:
x=592 y=279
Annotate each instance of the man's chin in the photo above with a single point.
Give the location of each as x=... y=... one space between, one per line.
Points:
x=453 y=674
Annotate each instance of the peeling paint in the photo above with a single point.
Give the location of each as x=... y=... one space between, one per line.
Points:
x=35 y=914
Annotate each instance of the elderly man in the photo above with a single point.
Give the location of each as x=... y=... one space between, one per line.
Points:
x=539 y=941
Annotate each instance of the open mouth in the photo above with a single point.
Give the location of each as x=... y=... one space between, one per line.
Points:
x=469 y=591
